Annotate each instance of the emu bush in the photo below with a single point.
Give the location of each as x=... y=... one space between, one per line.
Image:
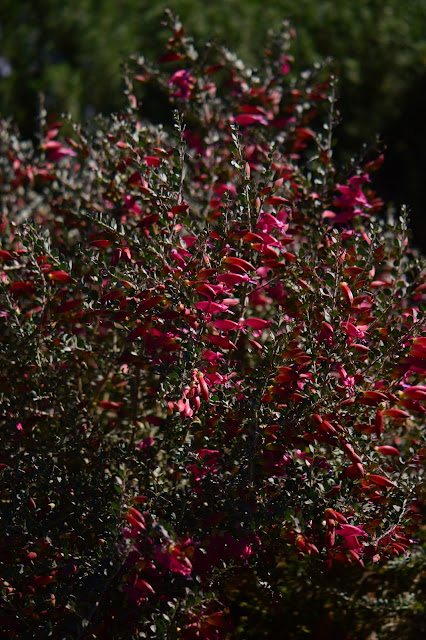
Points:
x=212 y=358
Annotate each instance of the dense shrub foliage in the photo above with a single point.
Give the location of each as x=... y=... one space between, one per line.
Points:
x=212 y=355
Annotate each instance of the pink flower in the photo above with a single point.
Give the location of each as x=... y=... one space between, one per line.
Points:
x=245 y=119
x=267 y=221
x=256 y=323
x=225 y=325
x=146 y=443
x=285 y=65
x=56 y=150
x=351 y=534
x=174 y=559
x=347 y=381
x=352 y=200
x=213 y=356
x=211 y=307
x=184 y=81
x=132 y=206
x=352 y=331
x=326 y=333
x=180 y=563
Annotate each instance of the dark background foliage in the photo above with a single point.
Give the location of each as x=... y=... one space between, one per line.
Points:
x=71 y=52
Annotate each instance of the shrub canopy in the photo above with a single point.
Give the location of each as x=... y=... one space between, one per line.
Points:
x=212 y=363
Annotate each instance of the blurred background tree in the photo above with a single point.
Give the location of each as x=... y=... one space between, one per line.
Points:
x=72 y=51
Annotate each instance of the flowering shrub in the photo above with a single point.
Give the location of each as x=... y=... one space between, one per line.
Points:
x=212 y=364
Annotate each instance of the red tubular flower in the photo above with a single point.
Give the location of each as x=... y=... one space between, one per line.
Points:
x=136 y=519
x=378 y=423
x=238 y=262
x=245 y=119
x=355 y=470
x=184 y=81
x=349 y=450
x=347 y=293
x=256 y=323
x=60 y=276
x=56 y=150
x=381 y=481
x=232 y=278
x=388 y=450
x=204 y=390
x=397 y=414
x=225 y=325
